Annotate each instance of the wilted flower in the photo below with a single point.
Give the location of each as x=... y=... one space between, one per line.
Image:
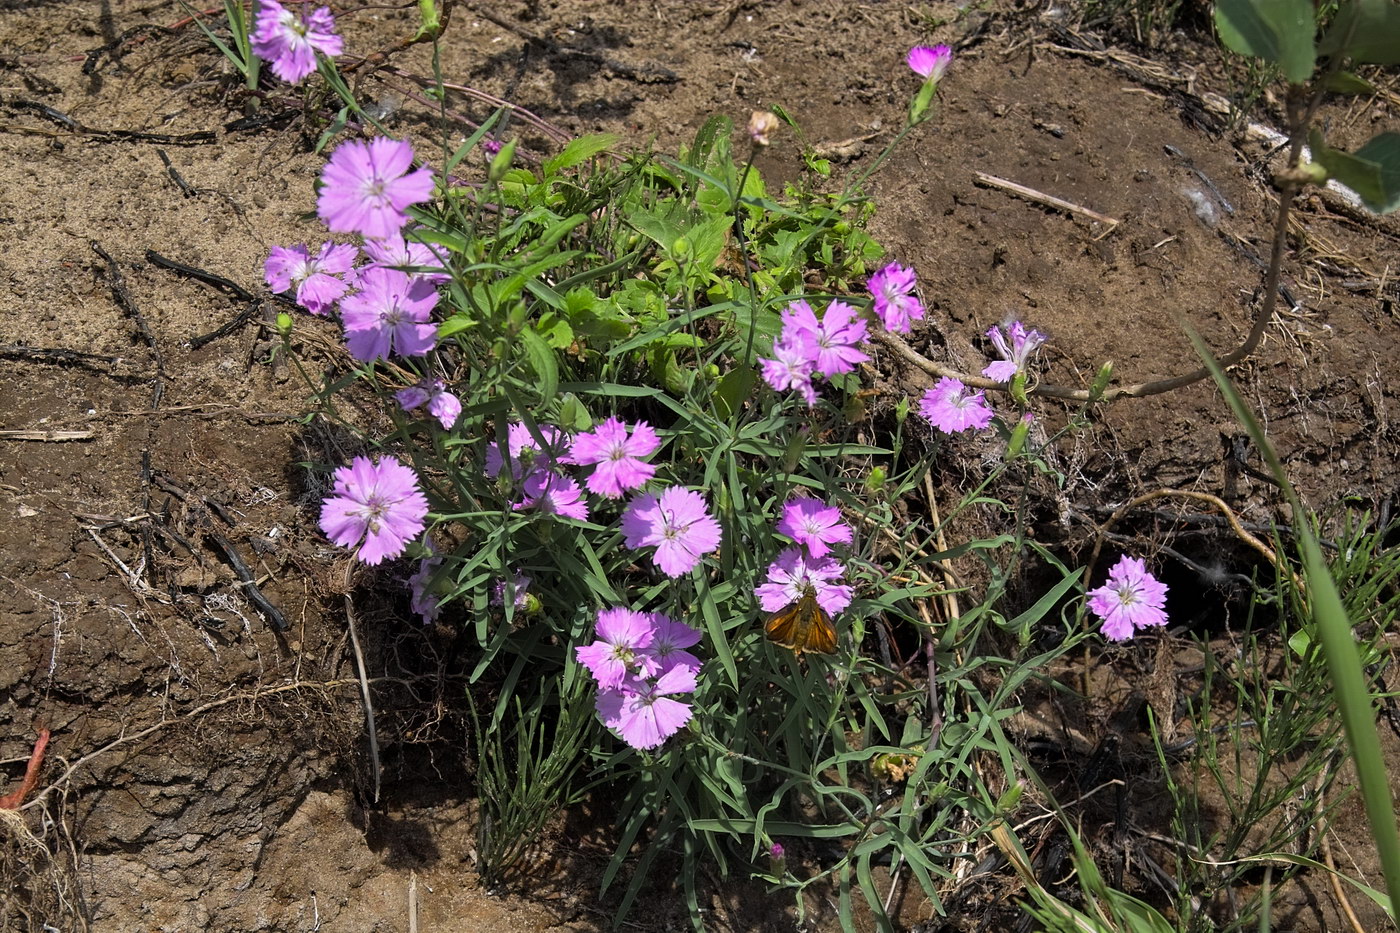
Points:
x=442 y=405
x=762 y=124
x=1015 y=343
x=423 y=600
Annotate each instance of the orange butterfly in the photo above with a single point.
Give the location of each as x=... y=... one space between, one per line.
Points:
x=803 y=626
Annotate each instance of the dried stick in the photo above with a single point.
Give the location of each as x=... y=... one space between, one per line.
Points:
x=1239 y=530
x=1049 y=200
x=952 y=610
x=48 y=436
x=1332 y=875
x=364 y=683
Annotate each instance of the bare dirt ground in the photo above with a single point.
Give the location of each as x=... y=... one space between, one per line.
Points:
x=206 y=772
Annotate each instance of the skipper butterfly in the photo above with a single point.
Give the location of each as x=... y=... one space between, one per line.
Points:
x=803 y=626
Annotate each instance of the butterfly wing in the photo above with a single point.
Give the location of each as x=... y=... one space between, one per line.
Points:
x=803 y=626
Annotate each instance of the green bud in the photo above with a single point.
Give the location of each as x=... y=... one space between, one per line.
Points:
x=793 y=453
x=1101 y=381
x=501 y=163
x=680 y=249
x=515 y=320
x=1007 y=801
x=875 y=481
x=1018 y=437
x=284 y=324
x=1018 y=388
x=901 y=411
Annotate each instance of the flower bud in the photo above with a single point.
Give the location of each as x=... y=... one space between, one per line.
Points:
x=500 y=162
x=1100 y=384
x=762 y=123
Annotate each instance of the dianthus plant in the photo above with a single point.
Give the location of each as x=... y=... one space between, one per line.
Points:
x=620 y=453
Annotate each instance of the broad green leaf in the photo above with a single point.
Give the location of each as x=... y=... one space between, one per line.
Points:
x=580 y=150
x=733 y=390
x=555 y=330
x=1366 y=31
x=542 y=360
x=1373 y=171
x=1279 y=31
x=455 y=325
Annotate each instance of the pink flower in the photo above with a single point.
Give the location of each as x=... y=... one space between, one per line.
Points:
x=379 y=503
x=552 y=494
x=793 y=574
x=791 y=368
x=670 y=641
x=678 y=524
x=1014 y=355
x=525 y=450
x=1131 y=599
x=814 y=525
x=950 y=407
x=618 y=457
x=442 y=405
x=896 y=305
x=830 y=343
x=315 y=279
x=929 y=63
x=389 y=315
x=396 y=252
x=621 y=649
x=642 y=713
x=365 y=189
x=289 y=43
